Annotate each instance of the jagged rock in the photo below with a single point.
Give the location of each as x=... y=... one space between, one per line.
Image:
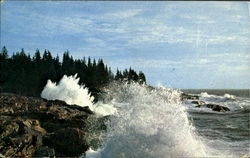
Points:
x=185 y=96
x=41 y=128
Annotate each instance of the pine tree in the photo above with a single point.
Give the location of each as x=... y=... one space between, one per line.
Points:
x=3 y=54
x=142 y=78
x=37 y=57
x=4 y=68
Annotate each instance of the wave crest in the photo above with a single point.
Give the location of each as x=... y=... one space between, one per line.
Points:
x=150 y=123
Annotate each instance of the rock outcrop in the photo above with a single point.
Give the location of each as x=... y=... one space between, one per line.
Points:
x=214 y=107
x=38 y=127
x=185 y=96
x=200 y=103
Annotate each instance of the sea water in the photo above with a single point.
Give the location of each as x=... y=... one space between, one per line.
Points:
x=155 y=123
x=225 y=131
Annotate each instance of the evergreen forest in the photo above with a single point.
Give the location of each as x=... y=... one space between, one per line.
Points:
x=22 y=74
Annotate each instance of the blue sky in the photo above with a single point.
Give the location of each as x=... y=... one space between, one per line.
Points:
x=176 y=44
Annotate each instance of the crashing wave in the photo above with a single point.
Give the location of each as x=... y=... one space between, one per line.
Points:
x=69 y=90
x=150 y=123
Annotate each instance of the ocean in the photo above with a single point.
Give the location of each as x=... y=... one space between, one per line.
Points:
x=245 y=93
x=227 y=131
x=147 y=122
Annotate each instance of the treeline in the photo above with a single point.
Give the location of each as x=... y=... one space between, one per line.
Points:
x=26 y=75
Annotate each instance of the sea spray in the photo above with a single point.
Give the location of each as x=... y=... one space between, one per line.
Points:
x=226 y=97
x=146 y=122
x=150 y=123
x=69 y=90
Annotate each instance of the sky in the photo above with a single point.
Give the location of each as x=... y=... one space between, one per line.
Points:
x=176 y=44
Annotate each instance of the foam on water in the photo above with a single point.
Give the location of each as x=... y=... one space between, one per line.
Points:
x=224 y=98
x=150 y=123
x=69 y=90
x=229 y=96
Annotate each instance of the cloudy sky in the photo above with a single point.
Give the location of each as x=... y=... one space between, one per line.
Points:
x=176 y=44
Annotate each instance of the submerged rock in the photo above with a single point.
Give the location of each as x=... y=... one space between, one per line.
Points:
x=214 y=107
x=38 y=127
x=198 y=102
x=218 y=108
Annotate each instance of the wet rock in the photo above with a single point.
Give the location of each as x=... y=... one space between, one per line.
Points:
x=198 y=103
x=68 y=142
x=41 y=128
x=44 y=151
x=218 y=108
x=185 y=96
x=214 y=107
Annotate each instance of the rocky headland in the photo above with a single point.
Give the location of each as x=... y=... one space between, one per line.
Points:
x=36 y=127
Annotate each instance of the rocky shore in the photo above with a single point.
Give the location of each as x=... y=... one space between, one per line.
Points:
x=36 y=127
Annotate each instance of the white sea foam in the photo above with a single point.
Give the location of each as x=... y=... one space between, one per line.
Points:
x=150 y=123
x=215 y=98
x=205 y=95
x=69 y=90
x=229 y=96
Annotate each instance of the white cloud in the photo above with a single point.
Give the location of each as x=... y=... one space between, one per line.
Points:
x=96 y=42
x=139 y=29
x=198 y=19
x=153 y=63
x=63 y=25
x=122 y=14
x=235 y=62
x=229 y=6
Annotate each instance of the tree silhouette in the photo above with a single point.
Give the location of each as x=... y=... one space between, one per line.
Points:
x=27 y=75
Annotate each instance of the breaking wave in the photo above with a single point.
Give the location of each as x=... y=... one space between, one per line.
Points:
x=69 y=90
x=145 y=121
x=150 y=123
x=226 y=97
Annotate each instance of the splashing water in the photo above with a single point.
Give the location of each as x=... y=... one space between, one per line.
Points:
x=146 y=122
x=69 y=90
x=150 y=123
x=229 y=97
